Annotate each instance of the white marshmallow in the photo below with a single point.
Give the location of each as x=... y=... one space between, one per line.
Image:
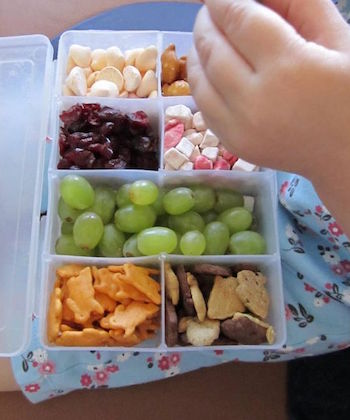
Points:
x=188 y=166
x=115 y=58
x=249 y=202
x=242 y=165
x=211 y=153
x=104 y=88
x=198 y=122
x=189 y=131
x=175 y=158
x=185 y=147
x=168 y=167
x=181 y=113
x=209 y=140
x=147 y=59
x=76 y=81
x=147 y=85
x=196 y=152
x=132 y=78
x=81 y=55
x=195 y=138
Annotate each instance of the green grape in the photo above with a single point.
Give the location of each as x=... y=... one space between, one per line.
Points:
x=186 y=222
x=88 y=230
x=155 y=240
x=143 y=192
x=209 y=216
x=217 y=237
x=178 y=201
x=130 y=247
x=122 y=197
x=193 y=243
x=226 y=199
x=236 y=219
x=158 y=204
x=111 y=243
x=67 y=228
x=77 y=192
x=65 y=245
x=104 y=204
x=133 y=218
x=247 y=243
x=204 y=198
x=67 y=213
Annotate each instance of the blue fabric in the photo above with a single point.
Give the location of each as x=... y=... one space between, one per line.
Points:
x=316 y=273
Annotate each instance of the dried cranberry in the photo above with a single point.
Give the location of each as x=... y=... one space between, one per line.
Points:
x=72 y=114
x=146 y=161
x=102 y=150
x=106 y=113
x=81 y=158
x=64 y=164
x=63 y=143
x=115 y=164
x=138 y=122
x=107 y=128
x=144 y=144
x=125 y=154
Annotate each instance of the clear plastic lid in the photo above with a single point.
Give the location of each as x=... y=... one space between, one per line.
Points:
x=25 y=86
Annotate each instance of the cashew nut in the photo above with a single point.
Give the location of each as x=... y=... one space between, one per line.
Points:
x=131 y=55
x=80 y=54
x=147 y=59
x=111 y=74
x=132 y=78
x=104 y=88
x=115 y=58
x=148 y=83
x=99 y=59
x=76 y=81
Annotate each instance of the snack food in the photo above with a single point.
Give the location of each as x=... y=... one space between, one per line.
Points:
x=110 y=73
x=174 y=73
x=211 y=312
x=114 y=306
x=100 y=137
x=197 y=147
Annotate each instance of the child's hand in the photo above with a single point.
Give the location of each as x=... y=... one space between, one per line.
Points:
x=275 y=85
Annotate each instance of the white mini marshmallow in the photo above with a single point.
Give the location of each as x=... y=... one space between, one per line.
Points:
x=242 y=165
x=189 y=131
x=249 y=202
x=80 y=54
x=198 y=122
x=181 y=113
x=188 y=166
x=175 y=158
x=195 y=138
x=168 y=167
x=185 y=147
x=76 y=81
x=196 y=152
x=211 y=153
x=209 y=140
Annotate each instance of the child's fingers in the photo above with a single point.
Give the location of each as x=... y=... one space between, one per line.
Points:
x=223 y=66
x=210 y=103
x=315 y=20
x=258 y=33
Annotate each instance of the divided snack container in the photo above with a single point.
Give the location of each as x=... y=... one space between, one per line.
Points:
x=26 y=98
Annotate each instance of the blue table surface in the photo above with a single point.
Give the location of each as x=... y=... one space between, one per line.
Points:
x=160 y=16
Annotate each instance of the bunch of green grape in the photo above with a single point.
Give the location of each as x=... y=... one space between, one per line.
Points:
x=141 y=219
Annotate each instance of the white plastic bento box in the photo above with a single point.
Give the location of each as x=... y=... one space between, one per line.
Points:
x=27 y=70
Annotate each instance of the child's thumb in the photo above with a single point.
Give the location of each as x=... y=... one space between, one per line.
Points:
x=315 y=20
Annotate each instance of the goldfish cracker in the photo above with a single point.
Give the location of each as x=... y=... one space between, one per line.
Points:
x=105 y=301
x=122 y=341
x=88 y=337
x=105 y=282
x=55 y=315
x=81 y=296
x=69 y=270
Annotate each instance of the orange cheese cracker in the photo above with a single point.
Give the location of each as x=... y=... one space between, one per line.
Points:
x=55 y=315
x=81 y=296
x=88 y=337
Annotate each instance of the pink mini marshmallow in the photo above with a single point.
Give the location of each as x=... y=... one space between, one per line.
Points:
x=171 y=123
x=173 y=136
x=222 y=165
x=201 y=162
x=229 y=157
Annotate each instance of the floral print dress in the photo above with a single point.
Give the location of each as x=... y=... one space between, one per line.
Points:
x=316 y=278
